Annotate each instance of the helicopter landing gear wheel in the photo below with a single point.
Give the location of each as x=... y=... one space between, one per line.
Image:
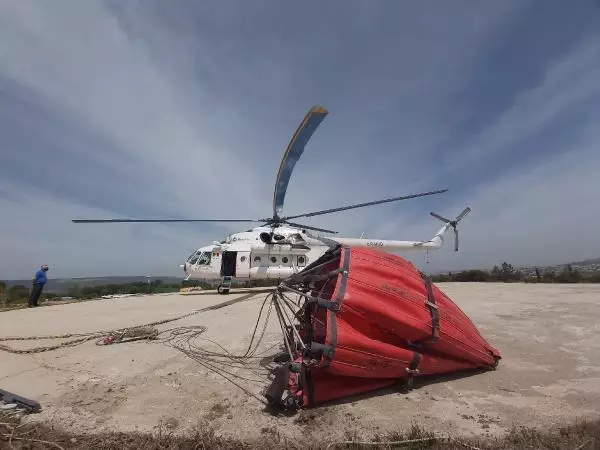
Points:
x=222 y=290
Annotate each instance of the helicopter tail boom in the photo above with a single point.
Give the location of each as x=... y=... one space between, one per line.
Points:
x=436 y=242
x=383 y=244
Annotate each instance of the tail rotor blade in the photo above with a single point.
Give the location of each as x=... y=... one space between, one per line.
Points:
x=455 y=239
x=453 y=223
x=466 y=211
x=437 y=216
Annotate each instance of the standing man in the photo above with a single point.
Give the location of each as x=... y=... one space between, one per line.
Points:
x=39 y=281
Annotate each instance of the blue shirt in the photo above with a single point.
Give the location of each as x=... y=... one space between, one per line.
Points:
x=40 y=277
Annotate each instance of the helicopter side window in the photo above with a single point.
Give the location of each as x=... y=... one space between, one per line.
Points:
x=296 y=238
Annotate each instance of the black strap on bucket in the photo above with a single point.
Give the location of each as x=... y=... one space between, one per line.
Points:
x=433 y=309
x=413 y=369
x=435 y=316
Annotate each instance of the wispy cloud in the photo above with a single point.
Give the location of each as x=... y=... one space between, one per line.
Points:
x=138 y=109
x=544 y=214
x=36 y=229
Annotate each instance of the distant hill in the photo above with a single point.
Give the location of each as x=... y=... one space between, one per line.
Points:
x=586 y=262
x=62 y=285
x=586 y=266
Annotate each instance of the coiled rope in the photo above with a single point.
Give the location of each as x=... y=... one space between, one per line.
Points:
x=145 y=331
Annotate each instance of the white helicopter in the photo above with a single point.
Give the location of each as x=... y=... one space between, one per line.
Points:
x=280 y=248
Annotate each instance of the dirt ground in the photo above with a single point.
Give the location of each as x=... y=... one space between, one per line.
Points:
x=549 y=374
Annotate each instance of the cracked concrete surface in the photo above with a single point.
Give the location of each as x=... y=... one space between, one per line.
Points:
x=549 y=374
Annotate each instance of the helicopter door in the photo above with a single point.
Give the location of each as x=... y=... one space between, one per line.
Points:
x=228 y=263
x=242 y=268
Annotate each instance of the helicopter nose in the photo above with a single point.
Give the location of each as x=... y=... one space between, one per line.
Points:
x=184 y=267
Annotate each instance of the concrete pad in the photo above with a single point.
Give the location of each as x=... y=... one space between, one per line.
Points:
x=549 y=374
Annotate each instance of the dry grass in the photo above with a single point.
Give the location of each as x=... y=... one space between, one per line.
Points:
x=15 y=434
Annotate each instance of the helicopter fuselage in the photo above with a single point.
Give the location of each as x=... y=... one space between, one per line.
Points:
x=277 y=253
x=260 y=253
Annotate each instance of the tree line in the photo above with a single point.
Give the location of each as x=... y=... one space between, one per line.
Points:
x=507 y=273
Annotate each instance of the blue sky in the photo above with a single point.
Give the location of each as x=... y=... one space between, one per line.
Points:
x=139 y=109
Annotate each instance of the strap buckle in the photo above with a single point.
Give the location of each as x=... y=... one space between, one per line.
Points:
x=330 y=305
x=431 y=305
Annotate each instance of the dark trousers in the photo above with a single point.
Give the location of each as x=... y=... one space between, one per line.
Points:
x=36 y=291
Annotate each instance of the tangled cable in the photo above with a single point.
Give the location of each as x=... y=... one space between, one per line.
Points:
x=145 y=331
x=224 y=363
x=185 y=339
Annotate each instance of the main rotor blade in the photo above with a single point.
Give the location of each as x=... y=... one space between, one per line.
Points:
x=292 y=154
x=159 y=220
x=309 y=227
x=361 y=205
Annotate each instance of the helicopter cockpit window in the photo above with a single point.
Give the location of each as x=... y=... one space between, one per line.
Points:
x=200 y=257
x=204 y=259
x=193 y=258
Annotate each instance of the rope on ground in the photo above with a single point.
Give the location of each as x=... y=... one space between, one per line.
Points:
x=109 y=336
x=131 y=334
x=179 y=338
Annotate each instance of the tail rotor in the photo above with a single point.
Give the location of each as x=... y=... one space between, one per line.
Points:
x=453 y=223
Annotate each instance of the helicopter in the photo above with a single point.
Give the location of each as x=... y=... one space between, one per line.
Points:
x=280 y=248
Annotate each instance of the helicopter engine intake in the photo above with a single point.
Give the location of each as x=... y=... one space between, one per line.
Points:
x=266 y=237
